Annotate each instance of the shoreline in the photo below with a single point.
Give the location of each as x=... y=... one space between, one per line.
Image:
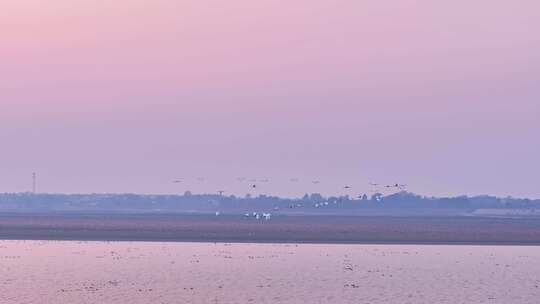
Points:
x=275 y=242
x=281 y=229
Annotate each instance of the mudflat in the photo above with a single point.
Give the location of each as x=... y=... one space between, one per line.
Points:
x=280 y=229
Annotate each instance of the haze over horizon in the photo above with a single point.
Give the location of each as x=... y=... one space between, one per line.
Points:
x=129 y=96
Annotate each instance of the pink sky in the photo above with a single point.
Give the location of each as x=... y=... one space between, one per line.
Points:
x=125 y=96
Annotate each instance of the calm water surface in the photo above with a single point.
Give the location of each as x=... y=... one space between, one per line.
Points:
x=138 y=272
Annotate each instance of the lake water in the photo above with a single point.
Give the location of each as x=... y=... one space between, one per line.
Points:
x=138 y=272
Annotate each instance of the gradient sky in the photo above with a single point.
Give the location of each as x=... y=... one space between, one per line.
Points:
x=126 y=96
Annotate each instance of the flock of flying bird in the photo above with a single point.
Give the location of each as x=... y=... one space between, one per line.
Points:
x=254 y=184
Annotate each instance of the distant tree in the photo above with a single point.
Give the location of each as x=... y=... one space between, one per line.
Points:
x=316 y=197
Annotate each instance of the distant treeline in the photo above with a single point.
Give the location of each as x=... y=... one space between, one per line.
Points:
x=189 y=202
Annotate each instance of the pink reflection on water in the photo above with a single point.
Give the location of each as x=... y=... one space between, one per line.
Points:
x=136 y=272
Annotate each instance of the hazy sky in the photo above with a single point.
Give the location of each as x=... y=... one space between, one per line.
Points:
x=126 y=96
